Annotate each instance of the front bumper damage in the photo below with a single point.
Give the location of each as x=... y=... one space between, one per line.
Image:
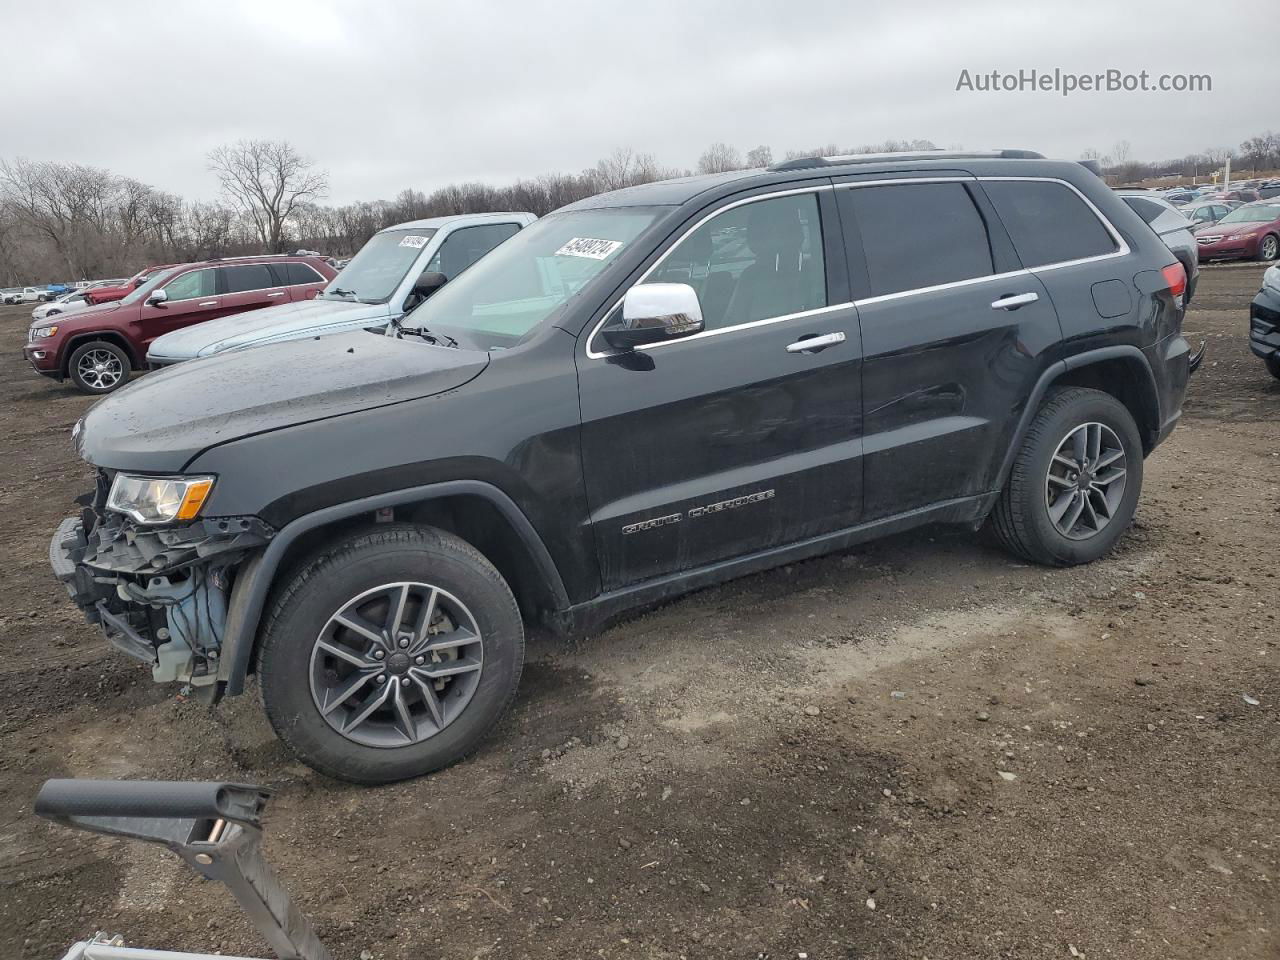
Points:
x=160 y=594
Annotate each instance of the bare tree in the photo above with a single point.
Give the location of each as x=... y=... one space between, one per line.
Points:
x=719 y=158
x=761 y=156
x=268 y=180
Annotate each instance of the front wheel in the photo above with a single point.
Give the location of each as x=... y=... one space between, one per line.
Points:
x=98 y=367
x=1075 y=483
x=1269 y=248
x=391 y=655
x=1273 y=365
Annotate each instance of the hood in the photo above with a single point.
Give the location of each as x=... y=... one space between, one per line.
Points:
x=161 y=421
x=255 y=326
x=89 y=315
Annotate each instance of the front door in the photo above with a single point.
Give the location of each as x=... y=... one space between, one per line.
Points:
x=190 y=298
x=739 y=438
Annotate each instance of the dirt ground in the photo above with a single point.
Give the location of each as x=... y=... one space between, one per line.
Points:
x=919 y=748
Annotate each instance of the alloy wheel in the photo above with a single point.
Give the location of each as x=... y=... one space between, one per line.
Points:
x=100 y=369
x=396 y=664
x=1085 y=483
x=1270 y=247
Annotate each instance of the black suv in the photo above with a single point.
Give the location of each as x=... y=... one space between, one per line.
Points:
x=643 y=393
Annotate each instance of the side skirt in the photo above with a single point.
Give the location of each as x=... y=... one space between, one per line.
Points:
x=591 y=615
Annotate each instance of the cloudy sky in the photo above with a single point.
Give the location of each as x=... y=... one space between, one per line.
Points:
x=420 y=93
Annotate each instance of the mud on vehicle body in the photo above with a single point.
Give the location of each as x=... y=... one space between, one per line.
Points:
x=643 y=393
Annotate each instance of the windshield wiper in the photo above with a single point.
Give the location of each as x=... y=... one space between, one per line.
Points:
x=341 y=292
x=439 y=339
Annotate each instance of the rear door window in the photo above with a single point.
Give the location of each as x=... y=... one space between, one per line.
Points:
x=917 y=235
x=1048 y=222
x=246 y=277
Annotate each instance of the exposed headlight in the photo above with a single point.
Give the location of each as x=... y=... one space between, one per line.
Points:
x=158 y=499
x=39 y=333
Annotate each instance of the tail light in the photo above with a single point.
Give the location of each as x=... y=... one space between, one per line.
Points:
x=1176 y=277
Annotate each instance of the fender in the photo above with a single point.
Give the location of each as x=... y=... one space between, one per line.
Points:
x=254 y=580
x=1056 y=370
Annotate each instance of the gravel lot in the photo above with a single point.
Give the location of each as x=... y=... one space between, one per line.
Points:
x=916 y=749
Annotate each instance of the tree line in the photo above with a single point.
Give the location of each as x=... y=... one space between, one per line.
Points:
x=69 y=221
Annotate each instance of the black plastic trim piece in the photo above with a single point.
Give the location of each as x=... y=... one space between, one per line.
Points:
x=255 y=578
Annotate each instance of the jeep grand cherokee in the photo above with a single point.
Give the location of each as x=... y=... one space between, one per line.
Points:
x=645 y=392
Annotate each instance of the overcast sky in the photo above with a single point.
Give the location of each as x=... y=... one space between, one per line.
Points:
x=388 y=95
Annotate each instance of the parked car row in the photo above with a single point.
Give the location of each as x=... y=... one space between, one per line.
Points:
x=169 y=313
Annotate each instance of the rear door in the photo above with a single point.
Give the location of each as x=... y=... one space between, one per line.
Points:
x=249 y=286
x=953 y=335
x=737 y=439
x=190 y=297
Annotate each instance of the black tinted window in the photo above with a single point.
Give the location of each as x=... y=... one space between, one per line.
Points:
x=1147 y=210
x=1049 y=222
x=464 y=247
x=918 y=235
x=240 y=279
x=301 y=273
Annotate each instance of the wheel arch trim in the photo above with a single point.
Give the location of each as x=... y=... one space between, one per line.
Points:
x=256 y=577
x=1060 y=368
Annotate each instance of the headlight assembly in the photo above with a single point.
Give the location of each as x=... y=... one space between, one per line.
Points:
x=39 y=333
x=158 y=499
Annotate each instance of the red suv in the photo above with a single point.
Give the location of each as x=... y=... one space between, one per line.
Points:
x=120 y=291
x=97 y=347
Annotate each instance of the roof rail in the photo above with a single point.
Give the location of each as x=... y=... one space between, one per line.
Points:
x=804 y=163
x=252 y=256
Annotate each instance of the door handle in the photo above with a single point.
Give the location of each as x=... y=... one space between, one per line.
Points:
x=207 y=303
x=816 y=343
x=1014 y=300
x=278 y=293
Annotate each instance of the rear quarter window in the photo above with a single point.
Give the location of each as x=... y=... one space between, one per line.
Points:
x=1048 y=222
x=1147 y=210
x=298 y=273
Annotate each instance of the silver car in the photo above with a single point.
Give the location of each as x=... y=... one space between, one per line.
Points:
x=1171 y=226
x=395 y=271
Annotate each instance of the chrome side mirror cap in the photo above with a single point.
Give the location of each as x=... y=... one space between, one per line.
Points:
x=157 y=297
x=655 y=313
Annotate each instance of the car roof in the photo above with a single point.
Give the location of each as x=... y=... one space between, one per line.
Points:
x=680 y=190
x=436 y=223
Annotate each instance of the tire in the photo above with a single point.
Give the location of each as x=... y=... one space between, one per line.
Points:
x=1023 y=519
x=1269 y=248
x=98 y=367
x=296 y=675
x=1273 y=365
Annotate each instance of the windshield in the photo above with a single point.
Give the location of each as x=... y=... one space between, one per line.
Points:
x=142 y=291
x=375 y=272
x=523 y=281
x=1253 y=213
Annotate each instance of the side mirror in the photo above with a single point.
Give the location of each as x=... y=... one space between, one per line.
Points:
x=157 y=297
x=655 y=313
x=428 y=283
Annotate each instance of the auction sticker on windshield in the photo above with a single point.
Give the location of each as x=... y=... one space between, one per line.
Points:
x=416 y=242
x=589 y=248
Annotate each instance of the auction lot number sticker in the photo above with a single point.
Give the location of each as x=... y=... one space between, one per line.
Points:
x=589 y=248
x=416 y=242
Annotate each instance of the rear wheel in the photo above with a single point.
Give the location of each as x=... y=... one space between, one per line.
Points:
x=390 y=656
x=1075 y=484
x=98 y=367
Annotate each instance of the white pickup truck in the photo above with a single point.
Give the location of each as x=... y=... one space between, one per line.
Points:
x=395 y=271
